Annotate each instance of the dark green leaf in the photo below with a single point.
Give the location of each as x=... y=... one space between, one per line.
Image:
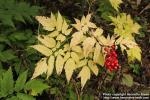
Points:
x=3 y=38
x=7 y=84
x=7 y=55
x=136 y=68
x=22 y=96
x=2 y=46
x=17 y=66
x=127 y=80
x=36 y=86
x=11 y=10
x=18 y=36
x=13 y=98
x=21 y=81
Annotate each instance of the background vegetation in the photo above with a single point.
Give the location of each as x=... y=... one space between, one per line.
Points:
x=18 y=31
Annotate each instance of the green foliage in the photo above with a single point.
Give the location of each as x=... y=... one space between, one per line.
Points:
x=133 y=54
x=6 y=84
x=20 y=82
x=16 y=36
x=9 y=87
x=106 y=9
x=135 y=68
x=36 y=86
x=21 y=96
x=125 y=26
x=14 y=51
x=127 y=80
x=7 y=55
x=12 y=10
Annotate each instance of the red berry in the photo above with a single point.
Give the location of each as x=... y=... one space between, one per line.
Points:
x=113 y=46
x=106 y=49
x=116 y=62
x=112 y=64
x=111 y=61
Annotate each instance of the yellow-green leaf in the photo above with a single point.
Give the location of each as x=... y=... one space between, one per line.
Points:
x=98 y=32
x=126 y=43
x=82 y=63
x=85 y=28
x=58 y=44
x=75 y=57
x=64 y=27
x=59 y=64
x=42 y=49
x=77 y=38
x=125 y=26
x=67 y=56
x=53 y=34
x=115 y=3
x=102 y=40
x=84 y=75
x=59 y=22
x=50 y=65
x=88 y=17
x=93 y=67
x=66 y=47
x=98 y=56
x=46 y=22
x=41 y=67
x=61 y=37
x=77 y=49
x=69 y=68
x=136 y=28
x=110 y=40
x=68 y=31
x=53 y=20
x=56 y=53
x=88 y=45
x=134 y=53
x=47 y=41
x=78 y=25
x=61 y=52
x=83 y=20
x=91 y=25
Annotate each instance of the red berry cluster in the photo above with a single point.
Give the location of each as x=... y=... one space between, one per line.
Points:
x=111 y=61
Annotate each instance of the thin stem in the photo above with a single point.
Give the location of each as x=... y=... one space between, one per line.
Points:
x=76 y=89
x=89 y=6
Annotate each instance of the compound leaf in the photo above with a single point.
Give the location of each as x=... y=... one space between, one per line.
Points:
x=6 y=83
x=35 y=86
x=42 y=49
x=20 y=82
x=69 y=68
x=47 y=41
x=59 y=64
x=23 y=96
x=93 y=67
x=84 y=75
x=59 y=22
x=46 y=22
x=41 y=67
x=50 y=66
x=134 y=53
x=88 y=45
